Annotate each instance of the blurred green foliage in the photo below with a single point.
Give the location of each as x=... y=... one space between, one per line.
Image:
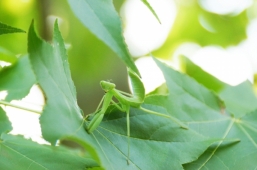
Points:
x=90 y=59
x=6 y=29
x=195 y=24
x=18 y=14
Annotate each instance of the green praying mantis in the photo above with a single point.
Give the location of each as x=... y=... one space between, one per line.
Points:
x=125 y=101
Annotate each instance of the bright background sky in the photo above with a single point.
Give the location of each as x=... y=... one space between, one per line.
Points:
x=144 y=34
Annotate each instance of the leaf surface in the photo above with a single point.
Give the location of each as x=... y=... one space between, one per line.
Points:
x=102 y=20
x=61 y=117
x=236 y=156
x=52 y=72
x=236 y=121
x=6 y=29
x=25 y=154
x=150 y=136
x=17 y=79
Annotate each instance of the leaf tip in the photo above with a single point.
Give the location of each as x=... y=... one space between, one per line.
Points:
x=31 y=28
x=56 y=23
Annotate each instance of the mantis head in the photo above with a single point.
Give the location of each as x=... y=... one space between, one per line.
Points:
x=107 y=86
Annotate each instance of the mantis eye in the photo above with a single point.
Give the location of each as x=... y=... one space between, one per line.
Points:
x=107 y=86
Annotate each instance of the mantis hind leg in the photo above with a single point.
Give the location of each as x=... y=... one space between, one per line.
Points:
x=126 y=109
x=175 y=120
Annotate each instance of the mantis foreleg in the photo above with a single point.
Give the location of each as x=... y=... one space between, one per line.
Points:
x=94 y=123
x=100 y=104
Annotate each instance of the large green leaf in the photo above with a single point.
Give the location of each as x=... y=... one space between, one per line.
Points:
x=205 y=117
x=6 y=29
x=19 y=153
x=61 y=116
x=194 y=24
x=51 y=68
x=241 y=104
x=151 y=136
x=5 y=124
x=102 y=20
x=17 y=79
x=108 y=144
x=238 y=156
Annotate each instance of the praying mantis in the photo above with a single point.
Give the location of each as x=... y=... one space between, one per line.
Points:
x=125 y=101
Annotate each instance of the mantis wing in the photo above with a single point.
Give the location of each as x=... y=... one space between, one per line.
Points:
x=137 y=86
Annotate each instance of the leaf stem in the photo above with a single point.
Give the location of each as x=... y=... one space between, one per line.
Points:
x=19 y=107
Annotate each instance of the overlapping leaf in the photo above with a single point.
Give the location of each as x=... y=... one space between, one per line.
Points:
x=108 y=144
x=201 y=76
x=17 y=79
x=241 y=105
x=61 y=116
x=52 y=72
x=102 y=20
x=6 y=29
x=19 y=153
x=238 y=99
x=191 y=100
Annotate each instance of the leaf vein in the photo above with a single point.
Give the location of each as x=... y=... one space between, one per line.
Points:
x=247 y=135
x=24 y=156
x=213 y=152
